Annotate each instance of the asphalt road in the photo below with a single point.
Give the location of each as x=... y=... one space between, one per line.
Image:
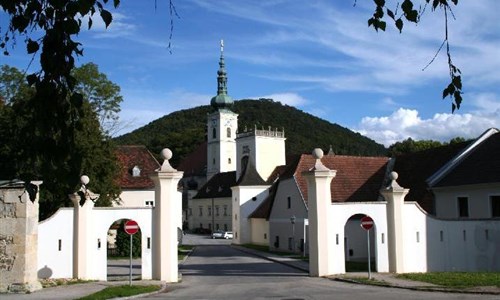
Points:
x=221 y=272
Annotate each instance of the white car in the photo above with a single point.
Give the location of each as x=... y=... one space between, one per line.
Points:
x=228 y=235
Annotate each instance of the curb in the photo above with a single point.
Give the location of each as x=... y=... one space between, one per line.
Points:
x=258 y=254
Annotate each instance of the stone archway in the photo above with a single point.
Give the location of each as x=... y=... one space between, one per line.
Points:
x=118 y=253
x=356 y=245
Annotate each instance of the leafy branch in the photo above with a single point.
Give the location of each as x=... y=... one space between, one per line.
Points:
x=407 y=12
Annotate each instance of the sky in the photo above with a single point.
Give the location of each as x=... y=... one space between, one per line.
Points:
x=317 y=55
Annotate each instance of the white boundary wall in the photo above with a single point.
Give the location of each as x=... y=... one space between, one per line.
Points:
x=430 y=244
x=59 y=263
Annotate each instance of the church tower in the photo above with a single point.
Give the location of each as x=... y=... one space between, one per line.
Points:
x=222 y=126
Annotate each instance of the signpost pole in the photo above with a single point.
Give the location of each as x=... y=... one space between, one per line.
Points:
x=369 y=256
x=130 y=272
x=131 y=227
x=367 y=224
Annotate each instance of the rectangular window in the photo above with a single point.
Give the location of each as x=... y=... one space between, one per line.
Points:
x=441 y=237
x=217 y=226
x=418 y=237
x=277 y=242
x=201 y=210
x=225 y=210
x=149 y=203
x=209 y=211
x=217 y=210
x=149 y=243
x=463 y=207
x=495 y=206
x=225 y=227
x=337 y=238
x=465 y=235
x=98 y=243
x=210 y=226
x=59 y=245
x=382 y=238
x=289 y=205
x=290 y=243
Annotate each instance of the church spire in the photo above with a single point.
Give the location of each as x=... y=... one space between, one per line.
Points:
x=222 y=100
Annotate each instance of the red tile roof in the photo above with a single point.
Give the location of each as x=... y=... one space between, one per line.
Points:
x=128 y=158
x=358 y=178
x=196 y=162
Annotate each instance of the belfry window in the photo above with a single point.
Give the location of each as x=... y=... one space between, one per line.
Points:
x=228 y=132
x=214 y=133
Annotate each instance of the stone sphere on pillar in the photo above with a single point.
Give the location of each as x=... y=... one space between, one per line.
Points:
x=166 y=153
x=84 y=179
x=317 y=153
x=394 y=175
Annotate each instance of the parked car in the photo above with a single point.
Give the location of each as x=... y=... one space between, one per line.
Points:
x=218 y=234
x=228 y=235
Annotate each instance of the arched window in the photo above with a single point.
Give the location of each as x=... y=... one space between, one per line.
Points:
x=228 y=132
x=229 y=161
x=214 y=133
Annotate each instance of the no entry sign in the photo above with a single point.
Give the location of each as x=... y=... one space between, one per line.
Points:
x=131 y=227
x=366 y=223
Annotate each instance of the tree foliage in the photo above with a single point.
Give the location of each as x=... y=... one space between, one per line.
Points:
x=102 y=94
x=407 y=12
x=186 y=129
x=55 y=111
x=25 y=154
x=409 y=145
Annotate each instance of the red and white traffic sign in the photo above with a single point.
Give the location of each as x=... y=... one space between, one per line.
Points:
x=366 y=223
x=131 y=227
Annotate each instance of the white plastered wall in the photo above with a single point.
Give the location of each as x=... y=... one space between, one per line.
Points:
x=478 y=195
x=260 y=231
x=136 y=198
x=249 y=198
x=60 y=227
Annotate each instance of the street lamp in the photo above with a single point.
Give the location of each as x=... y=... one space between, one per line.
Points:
x=292 y=220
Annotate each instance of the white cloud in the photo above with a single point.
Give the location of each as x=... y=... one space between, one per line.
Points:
x=291 y=99
x=404 y=123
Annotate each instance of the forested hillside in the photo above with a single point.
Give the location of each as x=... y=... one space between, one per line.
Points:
x=183 y=130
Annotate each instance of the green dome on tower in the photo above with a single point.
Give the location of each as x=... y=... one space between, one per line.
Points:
x=222 y=100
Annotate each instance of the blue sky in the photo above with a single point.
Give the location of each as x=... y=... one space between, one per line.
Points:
x=319 y=56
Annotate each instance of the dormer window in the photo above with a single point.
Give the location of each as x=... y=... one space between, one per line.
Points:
x=136 y=172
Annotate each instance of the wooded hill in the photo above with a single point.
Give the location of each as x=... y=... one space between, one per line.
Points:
x=182 y=131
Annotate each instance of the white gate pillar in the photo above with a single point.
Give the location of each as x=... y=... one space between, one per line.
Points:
x=83 y=203
x=168 y=208
x=394 y=195
x=319 y=202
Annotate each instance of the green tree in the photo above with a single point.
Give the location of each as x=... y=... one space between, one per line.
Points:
x=103 y=95
x=43 y=157
x=123 y=242
x=409 y=145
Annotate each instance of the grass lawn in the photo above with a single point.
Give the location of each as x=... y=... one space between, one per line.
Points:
x=456 y=279
x=359 y=266
x=184 y=250
x=122 y=291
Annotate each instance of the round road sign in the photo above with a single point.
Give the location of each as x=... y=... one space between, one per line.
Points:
x=131 y=227
x=366 y=223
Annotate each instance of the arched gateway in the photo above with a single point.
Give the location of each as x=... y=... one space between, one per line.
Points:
x=72 y=243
